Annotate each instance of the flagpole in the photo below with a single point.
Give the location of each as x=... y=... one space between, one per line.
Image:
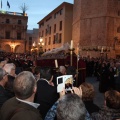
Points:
x=1 y=4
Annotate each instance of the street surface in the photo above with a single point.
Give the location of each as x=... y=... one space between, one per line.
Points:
x=99 y=97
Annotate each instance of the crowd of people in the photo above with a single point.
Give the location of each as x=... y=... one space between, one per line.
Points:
x=29 y=91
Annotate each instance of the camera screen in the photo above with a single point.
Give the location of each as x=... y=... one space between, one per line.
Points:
x=60 y=80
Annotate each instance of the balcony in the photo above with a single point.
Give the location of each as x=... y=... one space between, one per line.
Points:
x=12 y=13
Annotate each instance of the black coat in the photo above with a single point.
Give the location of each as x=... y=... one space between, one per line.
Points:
x=9 y=85
x=91 y=107
x=4 y=95
x=46 y=96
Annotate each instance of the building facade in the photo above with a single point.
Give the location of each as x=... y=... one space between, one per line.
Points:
x=56 y=28
x=32 y=37
x=96 y=27
x=13 y=27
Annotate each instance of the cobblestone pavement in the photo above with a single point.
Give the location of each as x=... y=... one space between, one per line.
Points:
x=99 y=97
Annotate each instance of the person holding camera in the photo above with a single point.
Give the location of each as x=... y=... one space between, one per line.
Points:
x=69 y=107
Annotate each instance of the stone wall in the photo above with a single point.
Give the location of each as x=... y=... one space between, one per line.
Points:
x=95 y=23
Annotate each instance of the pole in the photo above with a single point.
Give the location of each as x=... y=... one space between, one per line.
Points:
x=77 y=64
x=71 y=57
x=77 y=71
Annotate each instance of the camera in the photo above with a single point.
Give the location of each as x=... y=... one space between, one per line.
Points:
x=65 y=81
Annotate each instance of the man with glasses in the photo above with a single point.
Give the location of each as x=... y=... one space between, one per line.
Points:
x=10 y=69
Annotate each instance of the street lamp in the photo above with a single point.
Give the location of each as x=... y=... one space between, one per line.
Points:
x=34 y=48
x=12 y=46
x=41 y=39
x=40 y=46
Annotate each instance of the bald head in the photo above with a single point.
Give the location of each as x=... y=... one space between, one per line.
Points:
x=24 y=85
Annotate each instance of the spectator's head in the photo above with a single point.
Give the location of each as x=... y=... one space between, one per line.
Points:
x=37 y=70
x=62 y=70
x=37 y=73
x=3 y=77
x=88 y=91
x=24 y=85
x=46 y=73
x=71 y=107
x=67 y=63
x=112 y=99
x=10 y=68
x=71 y=71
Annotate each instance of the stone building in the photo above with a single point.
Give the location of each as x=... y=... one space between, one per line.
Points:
x=56 y=28
x=13 y=27
x=32 y=37
x=96 y=27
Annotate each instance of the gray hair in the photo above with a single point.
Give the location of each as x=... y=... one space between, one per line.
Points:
x=71 y=107
x=8 y=67
x=24 y=85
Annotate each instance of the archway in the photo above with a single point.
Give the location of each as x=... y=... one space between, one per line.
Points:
x=19 y=49
x=7 y=48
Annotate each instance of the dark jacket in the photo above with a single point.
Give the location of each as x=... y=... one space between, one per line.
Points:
x=9 y=85
x=4 y=95
x=46 y=96
x=28 y=112
x=91 y=107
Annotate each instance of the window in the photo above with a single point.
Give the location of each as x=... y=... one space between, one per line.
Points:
x=54 y=15
x=19 y=22
x=60 y=38
x=118 y=29
x=7 y=34
x=46 y=31
x=61 y=11
x=42 y=33
x=49 y=42
x=7 y=21
x=30 y=40
x=54 y=28
x=18 y=35
x=45 y=41
x=40 y=25
x=118 y=13
x=54 y=39
x=49 y=30
x=60 y=25
x=48 y=18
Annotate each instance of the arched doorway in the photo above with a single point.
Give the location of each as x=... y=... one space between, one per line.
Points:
x=7 y=48
x=19 y=49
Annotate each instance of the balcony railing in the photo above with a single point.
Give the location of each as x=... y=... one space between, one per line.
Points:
x=12 y=13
